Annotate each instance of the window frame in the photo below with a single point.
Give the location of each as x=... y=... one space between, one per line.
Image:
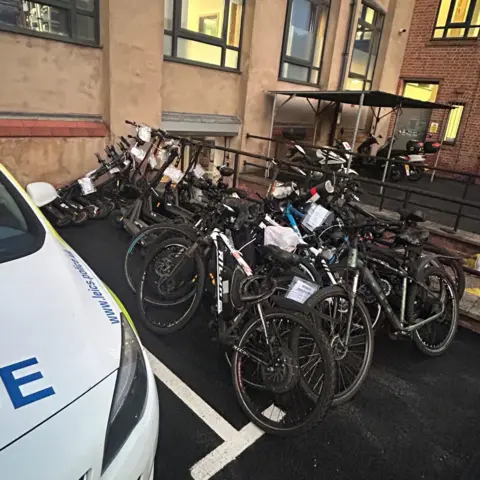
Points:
x=376 y=29
x=467 y=25
x=284 y=58
x=71 y=7
x=453 y=142
x=177 y=32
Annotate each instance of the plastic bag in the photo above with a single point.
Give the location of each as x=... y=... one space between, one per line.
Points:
x=283 y=237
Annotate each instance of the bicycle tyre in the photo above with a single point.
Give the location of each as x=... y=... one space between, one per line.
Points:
x=347 y=394
x=198 y=293
x=163 y=230
x=455 y=265
x=430 y=350
x=323 y=401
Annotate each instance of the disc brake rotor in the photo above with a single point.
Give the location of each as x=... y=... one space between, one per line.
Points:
x=282 y=372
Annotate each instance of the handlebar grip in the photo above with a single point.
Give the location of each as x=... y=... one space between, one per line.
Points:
x=125 y=141
x=129 y=122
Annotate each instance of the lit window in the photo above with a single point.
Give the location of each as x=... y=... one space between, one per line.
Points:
x=365 y=49
x=303 y=39
x=204 y=31
x=458 y=19
x=426 y=92
x=71 y=20
x=453 y=124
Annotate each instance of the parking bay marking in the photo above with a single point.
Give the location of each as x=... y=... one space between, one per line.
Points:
x=235 y=441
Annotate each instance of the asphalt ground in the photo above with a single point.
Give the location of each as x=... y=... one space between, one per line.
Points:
x=415 y=417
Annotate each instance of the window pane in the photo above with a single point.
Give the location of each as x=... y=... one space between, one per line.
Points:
x=35 y=16
x=203 y=16
x=473 y=32
x=354 y=84
x=168 y=15
x=234 y=23
x=453 y=124
x=443 y=12
x=322 y=25
x=438 y=33
x=231 y=59
x=314 y=76
x=294 y=72
x=426 y=92
x=88 y=5
x=476 y=15
x=368 y=14
x=455 y=32
x=460 y=11
x=167 y=45
x=198 y=51
x=301 y=37
x=85 y=28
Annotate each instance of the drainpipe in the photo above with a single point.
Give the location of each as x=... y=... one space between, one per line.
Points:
x=343 y=70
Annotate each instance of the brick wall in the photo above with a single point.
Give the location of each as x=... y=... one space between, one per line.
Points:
x=456 y=65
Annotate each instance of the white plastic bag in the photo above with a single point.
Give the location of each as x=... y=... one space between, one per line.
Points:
x=283 y=237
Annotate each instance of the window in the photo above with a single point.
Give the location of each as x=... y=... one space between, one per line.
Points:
x=20 y=231
x=204 y=31
x=303 y=40
x=458 y=19
x=365 y=49
x=453 y=124
x=68 y=20
x=426 y=92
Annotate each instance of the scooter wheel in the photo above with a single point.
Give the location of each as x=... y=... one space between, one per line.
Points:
x=64 y=221
x=92 y=211
x=80 y=218
x=396 y=173
x=416 y=173
x=104 y=209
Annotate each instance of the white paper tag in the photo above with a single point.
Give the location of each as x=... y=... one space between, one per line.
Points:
x=138 y=153
x=315 y=217
x=300 y=290
x=127 y=162
x=199 y=171
x=145 y=133
x=86 y=185
x=152 y=161
x=115 y=170
x=175 y=174
x=346 y=146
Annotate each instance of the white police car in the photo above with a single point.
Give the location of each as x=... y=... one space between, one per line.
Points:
x=78 y=399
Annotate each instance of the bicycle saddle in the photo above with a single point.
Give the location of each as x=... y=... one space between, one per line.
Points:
x=282 y=256
x=407 y=215
x=412 y=236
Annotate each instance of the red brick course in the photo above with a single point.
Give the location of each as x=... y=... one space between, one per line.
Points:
x=456 y=65
x=51 y=128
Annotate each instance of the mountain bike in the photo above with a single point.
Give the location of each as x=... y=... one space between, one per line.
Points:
x=272 y=348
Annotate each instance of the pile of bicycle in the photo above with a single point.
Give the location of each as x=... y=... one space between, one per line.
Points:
x=293 y=286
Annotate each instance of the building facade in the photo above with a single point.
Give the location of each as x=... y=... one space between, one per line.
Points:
x=442 y=63
x=74 y=70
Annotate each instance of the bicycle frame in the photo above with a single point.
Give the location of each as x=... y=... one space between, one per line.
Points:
x=369 y=280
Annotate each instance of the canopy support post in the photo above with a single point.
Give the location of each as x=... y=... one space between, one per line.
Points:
x=272 y=121
x=357 y=125
x=315 y=124
x=390 y=148
x=442 y=138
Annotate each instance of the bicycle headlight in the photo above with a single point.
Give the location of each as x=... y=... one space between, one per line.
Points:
x=129 y=396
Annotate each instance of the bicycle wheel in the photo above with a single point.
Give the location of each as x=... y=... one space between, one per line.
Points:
x=435 y=337
x=331 y=307
x=168 y=302
x=137 y=250
x=283 y=407
x=453 y=267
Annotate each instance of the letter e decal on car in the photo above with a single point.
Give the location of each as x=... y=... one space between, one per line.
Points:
x=13 y=384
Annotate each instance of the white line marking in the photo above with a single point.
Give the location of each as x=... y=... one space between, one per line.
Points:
x=217 y=423
x=228 y=451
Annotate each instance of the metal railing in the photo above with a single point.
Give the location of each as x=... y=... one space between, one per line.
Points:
x=406 y=201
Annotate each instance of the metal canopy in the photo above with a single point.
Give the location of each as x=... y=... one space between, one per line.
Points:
x=201 y=124
x=371 y=98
